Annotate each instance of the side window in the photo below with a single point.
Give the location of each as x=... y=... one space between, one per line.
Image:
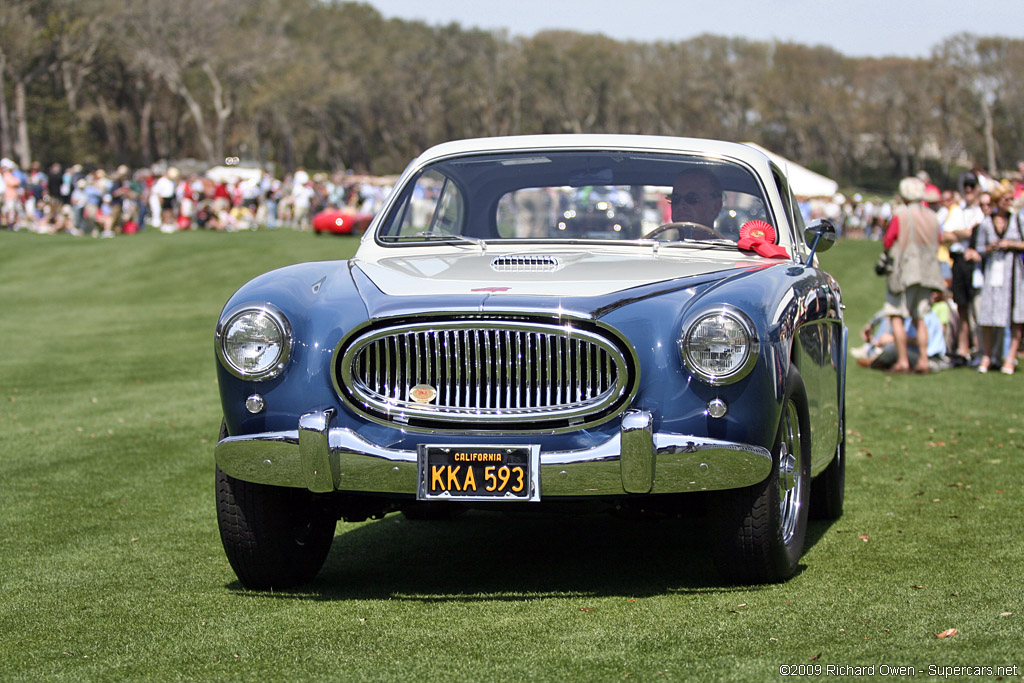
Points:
x=793 y=215
x=798 y=217
x=435 y=205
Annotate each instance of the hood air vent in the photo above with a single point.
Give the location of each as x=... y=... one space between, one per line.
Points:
x=525 y=263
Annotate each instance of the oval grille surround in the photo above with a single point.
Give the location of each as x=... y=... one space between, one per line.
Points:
x=489 y=373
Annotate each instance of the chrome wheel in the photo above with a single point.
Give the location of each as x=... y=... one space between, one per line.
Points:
x=791 y=482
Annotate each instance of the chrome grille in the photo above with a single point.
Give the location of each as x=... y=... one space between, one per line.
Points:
x=524 y=263
x=495 y=372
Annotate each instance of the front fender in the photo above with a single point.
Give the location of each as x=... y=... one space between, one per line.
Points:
x=797 y=314
x=321 y=303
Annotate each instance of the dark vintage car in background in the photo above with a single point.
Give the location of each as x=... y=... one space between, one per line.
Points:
x=480 y=351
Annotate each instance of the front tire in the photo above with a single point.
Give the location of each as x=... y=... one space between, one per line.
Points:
x=274 y=537
x=759 y=531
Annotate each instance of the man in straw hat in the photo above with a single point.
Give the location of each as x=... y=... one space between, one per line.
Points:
x=912 y=239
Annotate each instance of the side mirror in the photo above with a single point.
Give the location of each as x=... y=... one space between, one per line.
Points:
x=820 y=235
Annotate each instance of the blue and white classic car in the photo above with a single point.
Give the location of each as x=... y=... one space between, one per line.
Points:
x=626 y=321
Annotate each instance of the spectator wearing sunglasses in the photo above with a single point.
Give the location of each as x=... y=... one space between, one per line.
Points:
x=696 y=197
x=985 y=203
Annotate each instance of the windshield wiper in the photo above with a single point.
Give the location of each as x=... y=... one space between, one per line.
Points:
x=428 y=235
x=701 y=244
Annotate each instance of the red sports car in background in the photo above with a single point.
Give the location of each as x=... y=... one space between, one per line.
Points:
x=343 y=221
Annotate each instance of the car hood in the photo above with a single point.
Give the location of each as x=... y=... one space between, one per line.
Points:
x=557 y=274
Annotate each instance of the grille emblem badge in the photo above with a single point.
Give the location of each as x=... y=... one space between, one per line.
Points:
x=422 y=393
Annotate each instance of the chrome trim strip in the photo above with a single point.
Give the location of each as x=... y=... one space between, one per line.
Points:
x=678 y=462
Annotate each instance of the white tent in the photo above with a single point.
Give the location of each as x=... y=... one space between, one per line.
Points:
x=223 y=174
x=804 y=181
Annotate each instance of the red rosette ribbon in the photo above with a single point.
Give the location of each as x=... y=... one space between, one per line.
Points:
x=759 y=237
x=758 y=230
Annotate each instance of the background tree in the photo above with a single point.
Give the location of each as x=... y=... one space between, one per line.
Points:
x=329 y=84
x=207 y=52
x=25 y=55
x=896 y=103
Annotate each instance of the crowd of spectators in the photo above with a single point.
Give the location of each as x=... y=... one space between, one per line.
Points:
x=972 y=236
x=976 y=311
x=81 y=201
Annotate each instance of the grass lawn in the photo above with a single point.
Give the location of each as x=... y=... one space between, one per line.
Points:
x=111 y=566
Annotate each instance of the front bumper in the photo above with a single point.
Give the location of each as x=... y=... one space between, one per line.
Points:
x=635 y=461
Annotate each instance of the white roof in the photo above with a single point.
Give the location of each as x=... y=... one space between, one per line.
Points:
x=599 y=141
x=803 y=181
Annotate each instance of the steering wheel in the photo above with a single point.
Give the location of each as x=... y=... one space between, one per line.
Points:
x=685 y=225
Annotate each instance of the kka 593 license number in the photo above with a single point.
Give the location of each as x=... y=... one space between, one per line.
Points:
x=452 y=479
x=477 y=472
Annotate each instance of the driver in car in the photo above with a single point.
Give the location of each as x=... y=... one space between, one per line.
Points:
x=696 y=198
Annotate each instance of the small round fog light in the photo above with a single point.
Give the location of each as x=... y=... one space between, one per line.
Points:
x=255 y=404
x=717 y=408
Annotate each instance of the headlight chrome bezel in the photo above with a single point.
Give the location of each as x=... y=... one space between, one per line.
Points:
x=746 y=364
x=279 y=320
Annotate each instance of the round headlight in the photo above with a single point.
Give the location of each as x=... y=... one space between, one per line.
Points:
x=720 y=347
x=254 y=343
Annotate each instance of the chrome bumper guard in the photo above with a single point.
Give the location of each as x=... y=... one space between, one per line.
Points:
x=636 y=460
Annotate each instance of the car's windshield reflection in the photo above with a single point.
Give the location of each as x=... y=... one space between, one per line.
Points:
x=564 y=196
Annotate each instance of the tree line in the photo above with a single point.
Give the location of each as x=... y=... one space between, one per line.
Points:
x=334 y=85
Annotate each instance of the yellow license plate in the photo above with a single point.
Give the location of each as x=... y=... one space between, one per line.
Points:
x=491 y=473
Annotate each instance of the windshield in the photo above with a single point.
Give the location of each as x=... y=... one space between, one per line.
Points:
x=589 y=195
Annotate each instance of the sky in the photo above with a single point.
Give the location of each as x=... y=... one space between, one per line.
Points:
x=855 y=28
